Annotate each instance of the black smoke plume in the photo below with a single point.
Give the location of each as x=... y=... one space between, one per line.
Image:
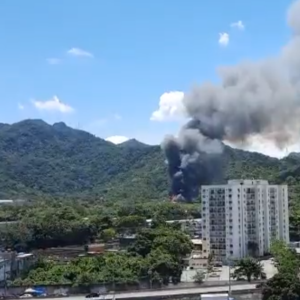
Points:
x=253 y=99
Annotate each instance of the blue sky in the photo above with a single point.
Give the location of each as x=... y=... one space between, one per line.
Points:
x=106 y=63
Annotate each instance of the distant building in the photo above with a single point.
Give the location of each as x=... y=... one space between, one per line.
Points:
x=193 y=227
x=242 y=217
x=197 y=244
x=12 y=202
x=5 y=267
x=24 y=261
x=12 y=264
x=126 y=240
x=196 y=260
x=6 y=224
x=4 y=202
x=95 y=249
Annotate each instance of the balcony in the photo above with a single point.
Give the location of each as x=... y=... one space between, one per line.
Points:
x=218 y=247
x=214 y=203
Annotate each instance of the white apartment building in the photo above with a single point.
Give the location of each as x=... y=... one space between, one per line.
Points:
x=242 y=217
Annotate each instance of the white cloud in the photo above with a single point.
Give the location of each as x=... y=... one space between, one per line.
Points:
x=239 y=25
x=261 y=145
x=117 y=139
x=53 y=104
x=21 y=106
x=223 y=39
x=170 y=107
x=53 y=61
x=79 y=52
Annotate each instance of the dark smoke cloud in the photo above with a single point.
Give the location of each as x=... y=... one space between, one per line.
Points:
x=253 y=98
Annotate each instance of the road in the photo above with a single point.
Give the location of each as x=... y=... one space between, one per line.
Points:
x=173 y=292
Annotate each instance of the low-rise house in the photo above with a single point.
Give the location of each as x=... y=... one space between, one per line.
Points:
x=12 y=264
x=197 y=244
x=5 y=268
x=193 y=227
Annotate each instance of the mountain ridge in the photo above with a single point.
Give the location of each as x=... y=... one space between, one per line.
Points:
x=43 y=160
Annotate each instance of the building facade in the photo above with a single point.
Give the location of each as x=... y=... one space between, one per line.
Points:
x=242 y=218
x=191 y=226
x=12 y=264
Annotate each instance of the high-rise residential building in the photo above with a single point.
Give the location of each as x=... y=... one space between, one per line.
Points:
x=242 y=218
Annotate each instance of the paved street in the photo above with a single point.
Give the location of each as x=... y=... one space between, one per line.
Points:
x=164 y=293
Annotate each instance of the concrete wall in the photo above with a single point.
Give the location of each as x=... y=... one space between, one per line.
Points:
x=247 y=295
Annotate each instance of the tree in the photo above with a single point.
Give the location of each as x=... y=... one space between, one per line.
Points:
x=210 y=262
x=249 y=268
x=285 y=284
x=281 y=287
x=108 y=268
x=108 y=234
x=199 y=277
x=172 y=241
x=163 y=267
x=130 y=224
x=143 y=243
x=285 y=259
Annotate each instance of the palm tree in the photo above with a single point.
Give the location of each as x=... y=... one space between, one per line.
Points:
x=249 y=268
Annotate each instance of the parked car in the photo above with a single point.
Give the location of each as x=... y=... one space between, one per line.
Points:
x=92 y=295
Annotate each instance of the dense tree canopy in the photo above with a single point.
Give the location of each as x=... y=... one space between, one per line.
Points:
x=281 y=287
x=285 y=284
x=159 y=264
x=40 y=160
x=285 y=259
x=62 y=223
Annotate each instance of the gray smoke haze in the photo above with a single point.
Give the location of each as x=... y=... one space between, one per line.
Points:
x=253 y=98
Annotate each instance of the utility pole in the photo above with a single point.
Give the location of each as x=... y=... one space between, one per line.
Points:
x=229 y=280
x=227 y=262
x=5 y=279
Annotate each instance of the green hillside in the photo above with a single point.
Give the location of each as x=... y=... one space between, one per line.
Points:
x=38 y=159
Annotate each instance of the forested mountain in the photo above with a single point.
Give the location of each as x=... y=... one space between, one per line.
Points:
x=38 y=159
